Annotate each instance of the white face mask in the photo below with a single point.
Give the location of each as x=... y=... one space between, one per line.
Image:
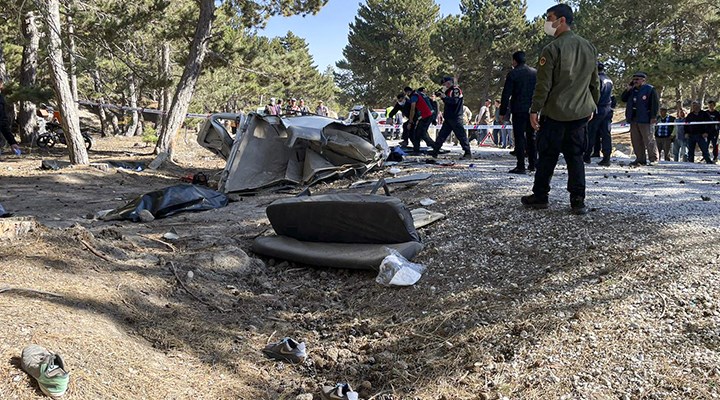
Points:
x=402 y=103
x=549 y=28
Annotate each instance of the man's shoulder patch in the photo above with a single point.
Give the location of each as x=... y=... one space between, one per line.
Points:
x=542 y=61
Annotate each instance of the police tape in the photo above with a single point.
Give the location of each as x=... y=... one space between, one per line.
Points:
x=612 y=126
x=139 y=109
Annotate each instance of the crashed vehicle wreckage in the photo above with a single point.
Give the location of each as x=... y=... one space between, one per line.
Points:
x=269 y=150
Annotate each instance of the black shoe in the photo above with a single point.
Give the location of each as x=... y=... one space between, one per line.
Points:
x=535 y=202
x=433 y=153
x=404 y=143
x=636 y=164
x=577 y=206
x=512 y=152
x=605 y=162
x=466 y=156
x=586 y=159
x=518 y=170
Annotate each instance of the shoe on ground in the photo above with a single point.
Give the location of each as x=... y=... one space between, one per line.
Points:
x=512 y=152
x=518 y=170
x=531 y=168
x=636 y=164
x=711 y=162
x=404 y=143
x=605 y=162
x=286 y=350
x=587 y=159
x=47 y=368
x=466 y=156
x=652 y=163
x=341 y=391
x=577 y=206
x=535 y=202
x=433 y=153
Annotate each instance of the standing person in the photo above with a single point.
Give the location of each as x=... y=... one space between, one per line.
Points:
x=517 y=96
x=321 y=109
x=452 y=118
x=642 y=107
x=664 y=133
x=483 y=118
x=402 y=106
x=698 y=134
x=599 y=126
x=566 y=94
x=714 y=129
x=304 y=110
x=421 y=115
x=5 y=123
x=496 y=121
x=270 y=108
x=679 y=145
x=292 y=108
x=279 y=107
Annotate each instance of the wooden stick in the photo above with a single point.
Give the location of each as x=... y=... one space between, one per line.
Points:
x=97 y=253
x=21 y=289
x=159 y=241
x=177 y=277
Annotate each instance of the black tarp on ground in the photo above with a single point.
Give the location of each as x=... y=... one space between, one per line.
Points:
x=169 y=201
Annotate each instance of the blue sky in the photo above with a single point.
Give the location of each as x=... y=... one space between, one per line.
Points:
x=326 y=33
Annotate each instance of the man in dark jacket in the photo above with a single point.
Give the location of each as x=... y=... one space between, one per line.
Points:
x=642 y=107
x=5 y=123
x=599 y=126
x=714 y=129
x=517 y=94
x=403 y=105
x=664 y=133
x=452 y=118
x=697 y=134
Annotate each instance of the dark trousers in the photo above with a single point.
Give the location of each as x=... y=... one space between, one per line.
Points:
x=599 y=129
x=713 y=144
x=455 y=126
x=568 y=138
x=664 y=144
x=405 y=131
x=420 y=133
x=700 y=141
x=524 y=136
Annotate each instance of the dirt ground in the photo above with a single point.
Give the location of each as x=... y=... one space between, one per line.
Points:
x=514 y=304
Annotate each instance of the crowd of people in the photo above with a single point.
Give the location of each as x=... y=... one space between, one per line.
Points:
x=294 y=107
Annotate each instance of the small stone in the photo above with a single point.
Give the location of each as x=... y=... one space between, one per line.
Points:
x=304 y=396
x=146 y=216
x=189 y=276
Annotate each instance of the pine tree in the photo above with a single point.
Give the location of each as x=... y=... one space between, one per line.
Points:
x=389 y=48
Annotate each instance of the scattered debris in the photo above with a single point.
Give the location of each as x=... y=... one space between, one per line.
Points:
x=341 y=391
x=423 y=217
x=172 y=235
x=427 y=202
x=396 y=270
x=705 y=198
x=286 y=350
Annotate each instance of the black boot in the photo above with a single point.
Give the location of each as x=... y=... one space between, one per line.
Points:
x=534 y=201
x=577 y=206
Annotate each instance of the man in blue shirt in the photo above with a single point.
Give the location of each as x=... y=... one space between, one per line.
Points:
x=641 y=110
x=664 y=134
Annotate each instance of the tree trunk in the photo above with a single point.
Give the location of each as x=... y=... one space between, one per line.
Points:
x=71 y=57
x=28 y=75
x=97 y=85
x=165 y=95
x=186 y=86
x=132 y=127
x=61 y=85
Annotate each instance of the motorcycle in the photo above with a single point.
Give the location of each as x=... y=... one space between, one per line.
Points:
x=54 y=135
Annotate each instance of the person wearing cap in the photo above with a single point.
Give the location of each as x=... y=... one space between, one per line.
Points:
x=697 y=134
x=270 y=108
x=566 y=95
x=516 y=99
x=5 y=123
x=714 y=129
x=641 y=109
x=321 y=109
x=599 y=126
x=664 y=134
x=452 y=98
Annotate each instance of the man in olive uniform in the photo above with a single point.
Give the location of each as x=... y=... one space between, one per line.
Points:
x=566 y=96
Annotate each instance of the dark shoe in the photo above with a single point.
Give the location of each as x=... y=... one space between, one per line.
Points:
x=466 y=156
x=512 y=152
x=577 y=206
x=531 y=169
x=636 y=164
x=586 y=159
x=517 y=170
x=605 y=162
x=535 y=202
x=404 y=143
x=433 y=153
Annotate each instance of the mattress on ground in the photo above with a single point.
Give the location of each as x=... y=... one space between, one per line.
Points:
x=335 y=255
x=343 y=218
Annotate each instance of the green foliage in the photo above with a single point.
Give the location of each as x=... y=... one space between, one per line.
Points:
x=149 y=135
x=388 y=48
